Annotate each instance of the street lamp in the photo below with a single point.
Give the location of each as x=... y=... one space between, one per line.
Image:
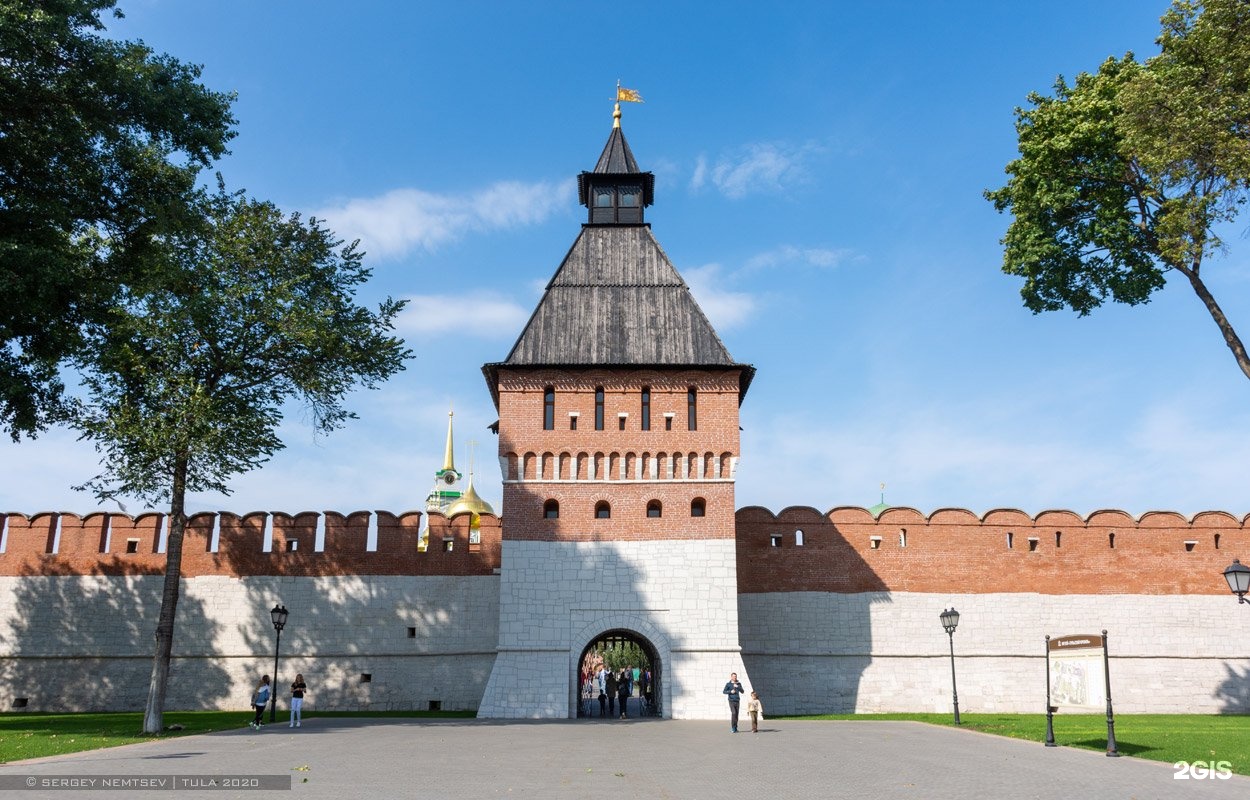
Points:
x=279 y=615
x=950 y=621
x=1238 y=577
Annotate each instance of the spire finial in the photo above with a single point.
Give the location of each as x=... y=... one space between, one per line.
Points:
x=449 y=464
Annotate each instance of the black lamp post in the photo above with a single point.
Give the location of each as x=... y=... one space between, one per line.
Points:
x=1238 y=577
x=950 y=621
x=279 y=615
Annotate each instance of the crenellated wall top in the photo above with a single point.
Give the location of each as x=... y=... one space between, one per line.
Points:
x=999 y=516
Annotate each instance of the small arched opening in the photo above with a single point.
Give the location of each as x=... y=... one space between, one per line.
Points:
x=630 y=660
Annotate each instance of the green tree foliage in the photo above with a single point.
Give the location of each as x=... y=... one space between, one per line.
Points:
x=187 y=382
x=100 y=142
x=1126 y=174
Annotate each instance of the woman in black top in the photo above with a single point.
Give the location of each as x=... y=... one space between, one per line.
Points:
x=297 y=699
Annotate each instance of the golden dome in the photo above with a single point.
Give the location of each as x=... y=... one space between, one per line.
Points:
x=470 y=503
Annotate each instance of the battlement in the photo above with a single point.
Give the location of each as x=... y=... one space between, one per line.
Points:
x=255 y=544
x=952 y=550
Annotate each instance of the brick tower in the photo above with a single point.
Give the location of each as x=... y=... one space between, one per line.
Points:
x=618 y=444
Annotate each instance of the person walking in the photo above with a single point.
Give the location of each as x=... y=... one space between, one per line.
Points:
x=601 y=679
x=734 y=690
x=298 y=688
x=756 y=709
x=260 y=699
x=622 y=691
x=610 y=685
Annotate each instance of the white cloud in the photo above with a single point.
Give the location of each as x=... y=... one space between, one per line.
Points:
x=479 y=314
x=759 y=167
x=700 y=174
x=725 y=309
x=404 y=220
x=809 y=256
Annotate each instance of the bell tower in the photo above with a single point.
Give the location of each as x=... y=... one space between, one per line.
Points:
x=618 y=445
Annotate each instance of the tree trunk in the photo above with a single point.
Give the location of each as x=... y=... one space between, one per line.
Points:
x=153 y=718
x=1230 y=336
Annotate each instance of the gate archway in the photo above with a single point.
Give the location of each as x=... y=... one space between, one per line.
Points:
x=620 y=650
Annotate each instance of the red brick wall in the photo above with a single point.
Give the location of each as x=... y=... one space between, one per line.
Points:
x=240 y=552
x=677 y=464
x=952 y=550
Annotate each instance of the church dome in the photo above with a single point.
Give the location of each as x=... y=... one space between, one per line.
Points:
x=470 y=503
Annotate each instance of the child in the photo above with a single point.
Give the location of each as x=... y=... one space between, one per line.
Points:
x=260 y=699
x=756 y=709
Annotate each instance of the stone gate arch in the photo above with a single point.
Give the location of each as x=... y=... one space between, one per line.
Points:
x=624 y=626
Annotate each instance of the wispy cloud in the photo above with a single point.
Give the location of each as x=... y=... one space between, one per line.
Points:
x=758 y=167
x=403 y=220
x=700 y=174
x=481 y=314
x=808 y=256
x=724 y=308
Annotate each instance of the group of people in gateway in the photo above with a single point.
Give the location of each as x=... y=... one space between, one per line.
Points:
x=614 y=689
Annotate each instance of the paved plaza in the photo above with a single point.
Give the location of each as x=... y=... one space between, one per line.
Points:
x=618 y=759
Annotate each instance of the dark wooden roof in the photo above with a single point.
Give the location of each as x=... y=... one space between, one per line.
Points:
x=616 y=157
x=616 y=162
x=618 y=301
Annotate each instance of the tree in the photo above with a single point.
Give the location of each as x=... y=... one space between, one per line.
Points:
x=1126 y=174
x=186 y=383
x=100 y=142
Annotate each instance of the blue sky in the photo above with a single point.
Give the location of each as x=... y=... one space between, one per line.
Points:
x=819 y=170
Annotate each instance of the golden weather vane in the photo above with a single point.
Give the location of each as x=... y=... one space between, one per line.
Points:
x=623 y=95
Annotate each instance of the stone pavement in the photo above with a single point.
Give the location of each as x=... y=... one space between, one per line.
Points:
x=619 y=759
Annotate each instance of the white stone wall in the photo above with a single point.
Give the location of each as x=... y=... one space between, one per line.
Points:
x=85 y=642
x=811 y=652
x=558 y=597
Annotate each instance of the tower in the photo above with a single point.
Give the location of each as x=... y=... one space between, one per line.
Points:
x=445 y=491
x=618 y=443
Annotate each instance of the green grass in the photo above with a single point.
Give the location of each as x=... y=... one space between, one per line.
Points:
x=1158 y=737
x=25 y=736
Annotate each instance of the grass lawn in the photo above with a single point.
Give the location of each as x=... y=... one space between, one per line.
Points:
x=36 y=735
x=1159 y=737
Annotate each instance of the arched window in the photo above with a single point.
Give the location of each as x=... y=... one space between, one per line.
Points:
x=692 y=409
x=551 y=509
x=646 y=408
x=654 y=509
x=603 y=510
x=549 y=409
x=598 y=408
x=698 y=507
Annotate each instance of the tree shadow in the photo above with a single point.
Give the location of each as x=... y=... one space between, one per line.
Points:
x=82 y=617
x=1234 y=691
x=805 y=600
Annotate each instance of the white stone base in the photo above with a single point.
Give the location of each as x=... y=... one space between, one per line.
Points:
x=679 y=597
x=812 y=653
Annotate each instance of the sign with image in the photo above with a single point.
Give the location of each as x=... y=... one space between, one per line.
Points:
x=1077 y=672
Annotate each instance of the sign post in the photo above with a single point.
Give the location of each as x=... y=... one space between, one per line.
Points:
x=1074 y=679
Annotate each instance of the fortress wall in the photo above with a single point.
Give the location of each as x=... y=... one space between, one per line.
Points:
x=836 y=652
x=118 y=544
x=1006 y=551
x=84 y=642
